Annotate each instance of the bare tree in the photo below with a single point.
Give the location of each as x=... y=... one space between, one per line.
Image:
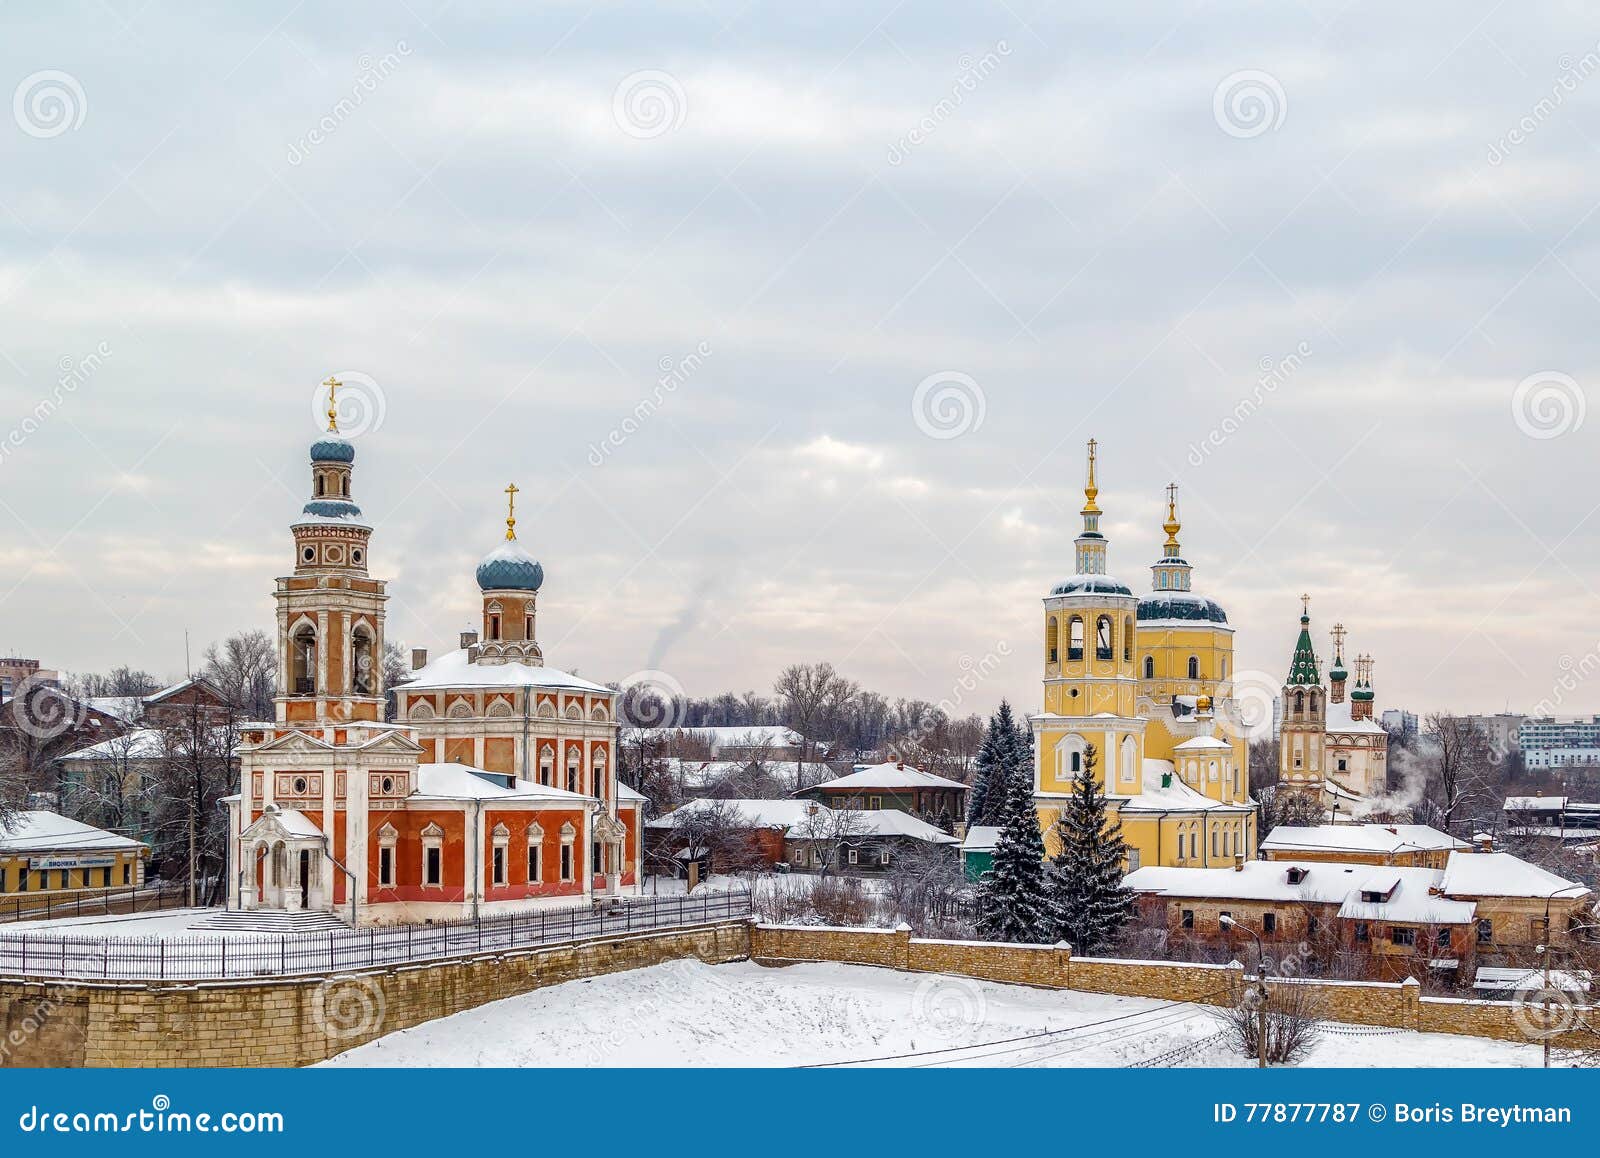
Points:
x=926 y=886
x=714 y=830
x=119 y=682
x=114 y=791
x=826 y=832
x=1290 y=1014
x=1281 y=805
x=244 y=667
x=196 y=770
x=1461 y=766
x=812 y=697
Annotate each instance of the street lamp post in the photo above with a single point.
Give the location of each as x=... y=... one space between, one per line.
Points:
x=1228 y=922
x=1544 y=950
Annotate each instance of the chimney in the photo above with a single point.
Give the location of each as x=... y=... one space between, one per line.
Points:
x=1238 y=862
x=468 y=639
x=419 y=658
x=1485 y=842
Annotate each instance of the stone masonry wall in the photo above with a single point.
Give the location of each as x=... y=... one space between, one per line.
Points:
x=299 y=1021
x=1357 y=1002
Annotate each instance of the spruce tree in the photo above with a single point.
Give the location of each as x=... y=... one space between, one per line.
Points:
x=1013 y=900
x=1087 y=895
x=986 y=778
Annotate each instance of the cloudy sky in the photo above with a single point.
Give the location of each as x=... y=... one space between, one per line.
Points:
x=1330 y=267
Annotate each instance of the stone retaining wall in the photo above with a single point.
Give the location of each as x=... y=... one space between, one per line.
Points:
x=298 y=1021
x=1398 y=1005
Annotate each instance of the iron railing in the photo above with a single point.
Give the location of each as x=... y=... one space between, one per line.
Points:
x=100 y=902
x=201 y=956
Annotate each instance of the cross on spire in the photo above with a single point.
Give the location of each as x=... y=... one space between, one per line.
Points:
x=1338 y=632
x=511 y=514
x=333 y=385
x=1305 y=605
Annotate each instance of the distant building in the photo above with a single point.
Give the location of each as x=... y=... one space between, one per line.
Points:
x=1472 y=909
x=977 y=851
x=1559 y=817
x=1403 y=723
x=14 y=672
x=1549 y=743
x=43 y=852
x=899 y=787
x=1503 y=730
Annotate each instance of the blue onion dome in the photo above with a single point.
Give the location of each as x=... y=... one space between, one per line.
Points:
x=509 y=568
x=1183 y=605
x=1091 y=585
x=332 y=449
x=342 y=510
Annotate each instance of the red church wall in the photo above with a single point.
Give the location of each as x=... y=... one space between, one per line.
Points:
x=459 y=750
x=500 y=755
x=408 y=857
x=517 y=886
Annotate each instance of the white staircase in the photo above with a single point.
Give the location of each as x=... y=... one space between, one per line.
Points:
x=270 y=921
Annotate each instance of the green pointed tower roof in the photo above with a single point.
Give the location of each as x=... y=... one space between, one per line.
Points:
x=1303 y=670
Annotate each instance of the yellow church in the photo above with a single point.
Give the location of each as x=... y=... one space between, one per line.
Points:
x=1146 y=680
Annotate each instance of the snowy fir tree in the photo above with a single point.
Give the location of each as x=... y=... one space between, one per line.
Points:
x=1087 y=895
x=1013 y=901
x=993 y=767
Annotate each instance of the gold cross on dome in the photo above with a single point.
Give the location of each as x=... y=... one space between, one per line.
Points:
x=1338 y=632
x=333 y=385
x=511 y=514
x=1305 y=605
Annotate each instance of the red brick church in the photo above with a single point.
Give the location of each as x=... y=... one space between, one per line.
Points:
x=495 y=791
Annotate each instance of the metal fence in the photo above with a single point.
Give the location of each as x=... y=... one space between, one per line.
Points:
x=99 y=902
x=211 y=956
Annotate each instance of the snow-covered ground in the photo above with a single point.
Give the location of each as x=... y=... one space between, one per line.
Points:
x=165 y=922
x=690 y=1014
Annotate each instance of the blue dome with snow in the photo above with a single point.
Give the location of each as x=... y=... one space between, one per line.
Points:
x=510 y=568
x=332 y=449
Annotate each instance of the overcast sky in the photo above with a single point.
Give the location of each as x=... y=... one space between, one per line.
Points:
x=500 y=226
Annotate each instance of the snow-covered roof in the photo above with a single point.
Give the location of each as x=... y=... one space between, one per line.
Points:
x=463 y=782
x=1339 y=719
x=1359 y=838
x=1405 y=895
x=893 y=822
x=452 y=670
x=39 y=831
x=1499 y=874
x=981 y=838
x=139 y=744
x=1202 y=743
x=1175 y=797
x=889 y=777
x=626 y=793
x=750 y=813
x=124 y=708
x=1536 y=803
x=1258 y=880
x=1494 y=977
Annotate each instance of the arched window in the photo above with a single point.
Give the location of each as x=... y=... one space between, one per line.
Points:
x=363 y=666
x=1129 y=766
x=1127 y=640
x=1149 y=667
x=322 y=486
x=1224 y=672
x=1069 y=756
x=494 y=627
x=527 y=627
x=1051 y=640
x=547 y=767
x=1102 y=638
x=599 y=774
x=344 y=486
x=573 y=766
x=1075 y=638
x=1299 y=703
x=303 y=651
x=1194 y=667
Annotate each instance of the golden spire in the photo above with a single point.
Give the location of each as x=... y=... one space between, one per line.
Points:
x=511 y=514
x=1091 y=492
x=1172 y=526
x=333 y=385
